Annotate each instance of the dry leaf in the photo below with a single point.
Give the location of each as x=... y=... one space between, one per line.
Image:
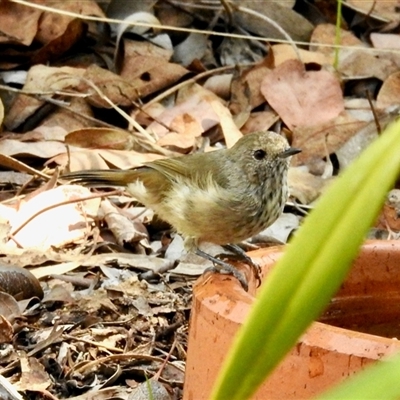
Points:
x=18 y=23
x=281 y=13
x=385 y=40
x=326 y=35
x=260 y=121
x=389 y=94
x=56 y=226
x=124 y=230
x=100 y=138
x=284 y=52
x=383 y=10
x=33 y=376
x=48 y=149
x=8 y=311
x=41 y=79
x=185 y=131
x=53 y=25
x=302 y=98
x=320 y=140
x=305 y=187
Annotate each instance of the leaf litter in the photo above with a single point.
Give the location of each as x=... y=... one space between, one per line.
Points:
x=111 y=84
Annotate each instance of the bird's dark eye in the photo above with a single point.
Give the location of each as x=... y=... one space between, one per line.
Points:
x=259 y=154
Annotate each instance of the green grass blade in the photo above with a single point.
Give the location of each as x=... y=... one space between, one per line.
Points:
x=338 y=34
x=312 y=268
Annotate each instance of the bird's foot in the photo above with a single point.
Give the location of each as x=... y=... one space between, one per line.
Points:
x=240 y=255
x=223 y=267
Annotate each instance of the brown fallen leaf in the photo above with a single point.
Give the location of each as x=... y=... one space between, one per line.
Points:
x=304 y=186
x=45 y=149
x=69 y=118
x=185 y=130
x=284 y=52
x=100 y=138
x=33 y=375
x=41 y=79
x=203 y=110
x=383 y=10
x=9 y=310
x=389 y=93
x=325 y=34
x=53 y=25
x=246 y=93
x=18 y=23
x=298 y=27
x=259 y=121
x=325 y=138
x=52 y=50
x=124 y=230
x=302 y=98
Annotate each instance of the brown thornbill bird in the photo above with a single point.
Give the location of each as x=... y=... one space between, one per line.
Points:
x=223 y=197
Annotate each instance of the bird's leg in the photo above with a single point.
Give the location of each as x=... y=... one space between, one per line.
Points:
x=222 y=266
x=240 y=254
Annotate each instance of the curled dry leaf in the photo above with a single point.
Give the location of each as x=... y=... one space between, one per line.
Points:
x=124 y=230
x=359 y=64
x=70 y=118
x=125 y=89
x=100 y=138
x=302 y=98
x=19 y=282
x=60 y=44
x=195 y=46
x=193 y=103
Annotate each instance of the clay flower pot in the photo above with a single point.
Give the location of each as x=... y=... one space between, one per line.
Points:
x=359 y=327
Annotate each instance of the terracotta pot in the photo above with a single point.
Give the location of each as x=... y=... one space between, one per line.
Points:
x=369 y=301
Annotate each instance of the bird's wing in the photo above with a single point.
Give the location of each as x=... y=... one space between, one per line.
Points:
x=195 y=167
x=172 y=168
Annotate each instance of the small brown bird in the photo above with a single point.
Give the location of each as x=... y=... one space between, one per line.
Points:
x=222 y=197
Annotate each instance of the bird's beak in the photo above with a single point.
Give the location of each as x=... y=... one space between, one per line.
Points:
x=291 y=151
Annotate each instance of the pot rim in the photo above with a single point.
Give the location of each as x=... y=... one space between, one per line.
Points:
x=223 y=296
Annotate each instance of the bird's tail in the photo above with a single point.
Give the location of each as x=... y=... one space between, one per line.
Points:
x=101 y=177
